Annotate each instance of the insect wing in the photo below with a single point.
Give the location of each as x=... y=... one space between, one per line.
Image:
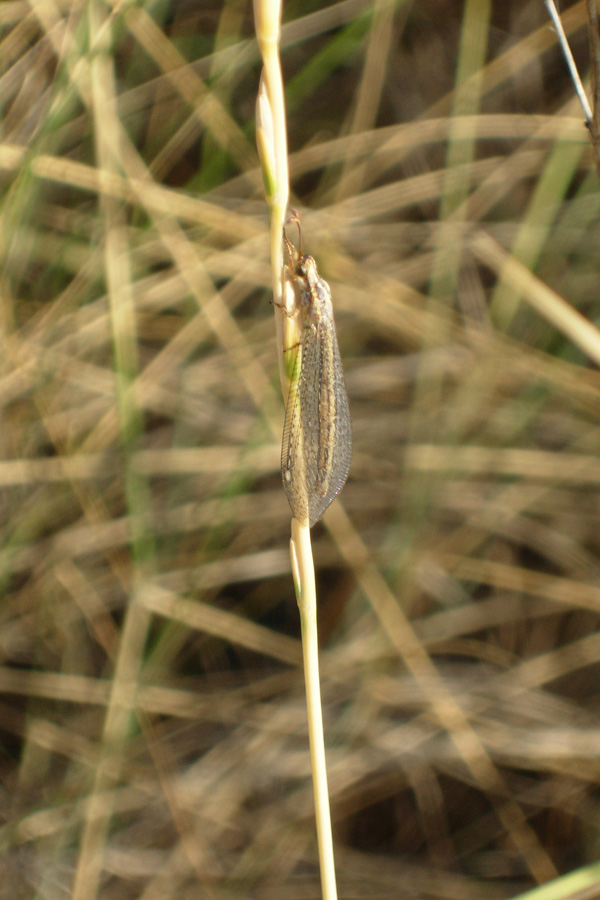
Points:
x=333 y=451
x=317 y=440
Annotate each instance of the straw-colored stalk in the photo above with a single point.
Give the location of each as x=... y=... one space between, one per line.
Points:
x=272 y=147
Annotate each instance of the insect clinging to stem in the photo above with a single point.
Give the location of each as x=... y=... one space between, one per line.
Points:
x=317 y=435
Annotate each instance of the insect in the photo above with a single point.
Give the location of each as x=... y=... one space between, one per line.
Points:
x=317 y=435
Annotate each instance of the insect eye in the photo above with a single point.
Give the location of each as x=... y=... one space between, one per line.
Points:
x=304 y=266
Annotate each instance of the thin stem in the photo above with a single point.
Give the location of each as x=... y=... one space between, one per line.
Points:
x=271 y=137
x=304 y=576
x=592 y=11
x=594 y=36
x=553 y=13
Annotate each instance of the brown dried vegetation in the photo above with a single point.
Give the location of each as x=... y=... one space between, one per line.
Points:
x=152 y=720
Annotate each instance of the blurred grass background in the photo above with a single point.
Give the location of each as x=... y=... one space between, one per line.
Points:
x=153 y=730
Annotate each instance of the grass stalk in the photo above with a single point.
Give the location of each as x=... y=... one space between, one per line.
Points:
x=304 y=580
x=118 y=721
x=272 y=146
